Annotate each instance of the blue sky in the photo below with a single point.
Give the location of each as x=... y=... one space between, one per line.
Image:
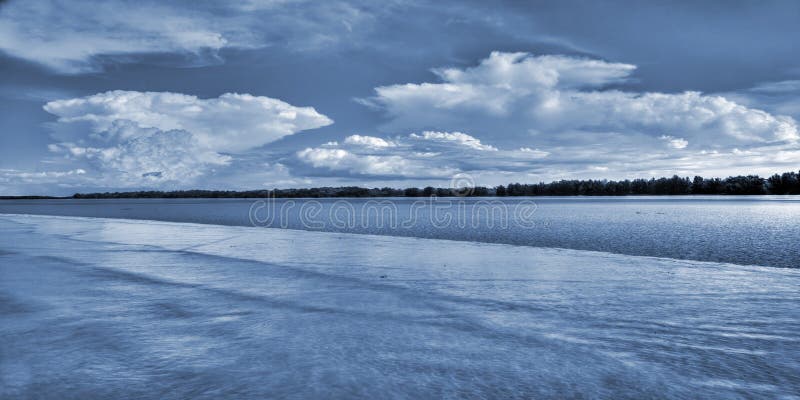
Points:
x=121 y=95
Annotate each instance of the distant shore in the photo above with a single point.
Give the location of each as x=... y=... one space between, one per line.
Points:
x=787 y=183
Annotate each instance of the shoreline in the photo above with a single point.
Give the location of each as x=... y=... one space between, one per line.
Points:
x=380 y=237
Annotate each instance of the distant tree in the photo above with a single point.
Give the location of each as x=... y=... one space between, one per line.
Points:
x=480 y=191
x=775 y=185
x=640 y=186
x=442 y=192
x=698 y=185
x=792 y=181
x=411 y=192
x=739 y=185
x=786 y=183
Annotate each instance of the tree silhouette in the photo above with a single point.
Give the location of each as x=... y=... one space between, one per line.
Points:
x=778 y=184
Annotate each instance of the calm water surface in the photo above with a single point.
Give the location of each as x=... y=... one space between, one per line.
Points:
x=750 y=230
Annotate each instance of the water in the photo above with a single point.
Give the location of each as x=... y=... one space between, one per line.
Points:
x=747 y=230
x=103 y=308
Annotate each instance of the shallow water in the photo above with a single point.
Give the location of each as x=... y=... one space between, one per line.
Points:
x=99 y=308
x=747 y=230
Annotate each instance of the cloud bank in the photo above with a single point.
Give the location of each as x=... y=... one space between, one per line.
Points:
x=155 y=138
x=513 y=117
x=779 y=97
x=513 y=95
x=518 y=117
x=424 y=158
x=81 y=36
x=574 y=111
x=425 y=155
x=229 y=123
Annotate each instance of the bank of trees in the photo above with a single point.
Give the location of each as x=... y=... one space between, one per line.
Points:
x=786 y=183
x=676 y=185
x=346 y=191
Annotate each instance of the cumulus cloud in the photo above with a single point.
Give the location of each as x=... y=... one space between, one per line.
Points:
x=414 y=156
x=675 y=143
x=513 y=117
x=516 y=95
x=156 y=138
x=457 y=138
x=371 y=165
x=159 y=157
x=569 y=117
x=426 y=159
x=495 y=86
x=368 y=141
x=232 y=122
x=79 y=36
x=780 y=97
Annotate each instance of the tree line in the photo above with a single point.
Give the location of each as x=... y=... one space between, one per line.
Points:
x=779 y=184
x=787 y=183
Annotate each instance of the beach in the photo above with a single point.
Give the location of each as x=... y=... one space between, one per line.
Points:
x=94 y=308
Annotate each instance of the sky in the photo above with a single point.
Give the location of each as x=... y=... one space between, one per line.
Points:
x=131 y=95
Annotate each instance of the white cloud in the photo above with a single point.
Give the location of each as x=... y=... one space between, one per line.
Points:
x=535 y=153
x=360 y=164
x=781 y=97
x=66 y=36
x=79 y=36
x=230 y=123
x=457 y=138
x=509 y=95
x=7 y=175
x=366 y=141
x=15 y=182
x=431 y=160
x=567 y=118
x=791 y=86
x=413 y=156
x=519 y=72
x=675 y=143
x=155 y=139
x=161 y=157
